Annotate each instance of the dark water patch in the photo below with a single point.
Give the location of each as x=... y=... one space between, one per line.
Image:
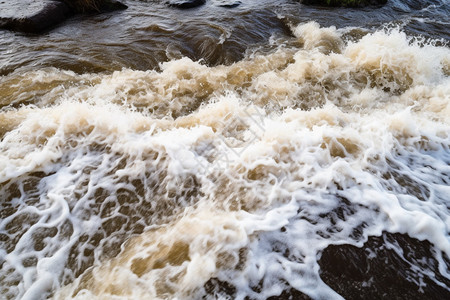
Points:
x=392 y=266
x=418 y=175
x=150 y=32
x=185 y=4
x=218 y=289
x=290 y=294
x=142 y=37
x=434 y=30
x=399 y=182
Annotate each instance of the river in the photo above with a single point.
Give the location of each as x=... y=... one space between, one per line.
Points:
x=216 y=152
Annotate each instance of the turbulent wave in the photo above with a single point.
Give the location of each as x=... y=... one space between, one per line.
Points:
x=224 y=181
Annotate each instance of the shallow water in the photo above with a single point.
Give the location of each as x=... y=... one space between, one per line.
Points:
x=216 y=152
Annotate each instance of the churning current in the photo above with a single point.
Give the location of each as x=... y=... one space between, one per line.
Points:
x=220 y=153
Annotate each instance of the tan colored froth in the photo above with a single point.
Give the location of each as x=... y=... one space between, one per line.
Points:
x=10 y=120
x=160 y=182
x=173 y=261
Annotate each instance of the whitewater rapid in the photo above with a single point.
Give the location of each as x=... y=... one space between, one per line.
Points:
x=156 y=184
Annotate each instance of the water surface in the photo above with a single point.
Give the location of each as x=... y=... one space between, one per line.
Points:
x=157 y=153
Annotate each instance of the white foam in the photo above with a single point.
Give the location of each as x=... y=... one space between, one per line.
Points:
x=231 y=173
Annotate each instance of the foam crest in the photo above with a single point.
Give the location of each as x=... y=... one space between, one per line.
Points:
x=324 y=39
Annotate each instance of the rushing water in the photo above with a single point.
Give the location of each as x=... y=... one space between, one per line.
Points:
x=216 y=152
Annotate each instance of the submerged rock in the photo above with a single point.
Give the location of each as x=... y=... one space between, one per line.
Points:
x=186 y=3
x=392 y=266
x=36 y=16
x=228 y=3
x=344 y=3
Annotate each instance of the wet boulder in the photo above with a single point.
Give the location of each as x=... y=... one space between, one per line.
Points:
x=228 y=3
x=183 y=4
x=391 y=266
x=33 y=16
x=344 y=3
x=86 y=6
x=39 y=15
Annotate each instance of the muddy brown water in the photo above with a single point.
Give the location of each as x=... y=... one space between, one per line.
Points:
x=266 y=150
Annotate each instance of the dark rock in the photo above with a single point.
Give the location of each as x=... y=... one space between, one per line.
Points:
x=84 y=6
x=36 y=16
x=386 y=267
x=186 y=3
x=228 y=3
x=344 y=3
x=50 y=14
x=290 y=294
x=108 y=6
